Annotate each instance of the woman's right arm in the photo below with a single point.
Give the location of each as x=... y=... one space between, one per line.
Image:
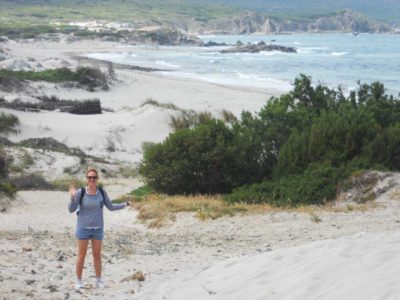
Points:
x=75 y=195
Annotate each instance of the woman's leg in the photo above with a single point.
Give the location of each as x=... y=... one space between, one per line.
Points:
x=82 y=248
x=96 y=249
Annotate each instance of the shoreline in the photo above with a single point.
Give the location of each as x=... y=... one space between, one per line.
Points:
x=129 y=124
x=79 y=57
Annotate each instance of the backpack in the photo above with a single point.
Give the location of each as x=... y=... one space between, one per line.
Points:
x=83 y=191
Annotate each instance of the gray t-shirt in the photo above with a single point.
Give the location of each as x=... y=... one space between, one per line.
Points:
x=91 y=212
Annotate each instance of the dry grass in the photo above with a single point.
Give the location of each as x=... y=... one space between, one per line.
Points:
x=395 y=195
x=157 y=209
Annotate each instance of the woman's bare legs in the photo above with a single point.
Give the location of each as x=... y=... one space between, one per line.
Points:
x=82 y=249
x=96 y=249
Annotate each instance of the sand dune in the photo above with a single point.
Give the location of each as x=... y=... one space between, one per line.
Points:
x=277 y=255
x=364 y=266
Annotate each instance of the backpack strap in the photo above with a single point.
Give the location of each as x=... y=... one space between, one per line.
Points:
x=102 y=192
x=83 y=191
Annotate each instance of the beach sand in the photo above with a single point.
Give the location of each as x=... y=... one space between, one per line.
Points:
x=130 y=124
x=270 y=255
x=274 y=255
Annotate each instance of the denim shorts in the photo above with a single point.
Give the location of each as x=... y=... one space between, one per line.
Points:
x=89 y=233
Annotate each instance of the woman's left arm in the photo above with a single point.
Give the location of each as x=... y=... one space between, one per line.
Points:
x=110 y=205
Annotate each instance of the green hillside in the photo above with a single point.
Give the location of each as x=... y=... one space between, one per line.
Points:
x=382 y=10
x=136 y=11
x=31 y=17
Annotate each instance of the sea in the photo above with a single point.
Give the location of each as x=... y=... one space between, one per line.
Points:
x=342 y=60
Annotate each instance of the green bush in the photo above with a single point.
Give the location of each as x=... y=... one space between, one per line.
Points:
x=199 y=160
x=315 y=186
x=335 y=137
x=51 y=75
x=8 y=188
x=296 y=150
x=8 y=123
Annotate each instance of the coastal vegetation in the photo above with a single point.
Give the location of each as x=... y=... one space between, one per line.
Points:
x=299 y=149
x=8 y=124
x=52 y=103
x=136 y=11
x=88 y=77
x=306 y=8
x=124 y=19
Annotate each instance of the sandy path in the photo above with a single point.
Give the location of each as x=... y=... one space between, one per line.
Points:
x=37 y=252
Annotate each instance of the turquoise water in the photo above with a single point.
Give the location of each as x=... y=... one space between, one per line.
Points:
x=330 y=59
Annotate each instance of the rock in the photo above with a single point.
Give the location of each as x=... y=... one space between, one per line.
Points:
x=261 y=46
x=138 y=275
x=26 y=249
x=30 y=281
x=214 y=44
x=61 y=257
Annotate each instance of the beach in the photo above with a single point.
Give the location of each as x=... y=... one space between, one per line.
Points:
x=280 y=254
x=131 y=122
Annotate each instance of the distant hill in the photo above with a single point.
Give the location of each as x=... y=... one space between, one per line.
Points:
x=199 y=16
x=382 y=10
x=342 y=21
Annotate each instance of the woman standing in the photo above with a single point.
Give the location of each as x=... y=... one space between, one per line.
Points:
x=88 y=203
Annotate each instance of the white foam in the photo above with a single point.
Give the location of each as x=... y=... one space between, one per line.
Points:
x=338 y=53
x=167 y=64
x=272 y=53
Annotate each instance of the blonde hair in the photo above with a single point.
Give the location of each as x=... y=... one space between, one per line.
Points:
x=92 y=170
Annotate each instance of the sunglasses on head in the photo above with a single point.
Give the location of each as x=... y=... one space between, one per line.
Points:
x=91 y=177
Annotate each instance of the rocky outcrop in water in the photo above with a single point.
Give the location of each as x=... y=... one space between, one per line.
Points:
x=261 y=46
x=214 y=44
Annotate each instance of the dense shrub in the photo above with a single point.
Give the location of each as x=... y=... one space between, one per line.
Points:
x=191 y=161
x=206 y=159
x=316 y=185
x=297 y=149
